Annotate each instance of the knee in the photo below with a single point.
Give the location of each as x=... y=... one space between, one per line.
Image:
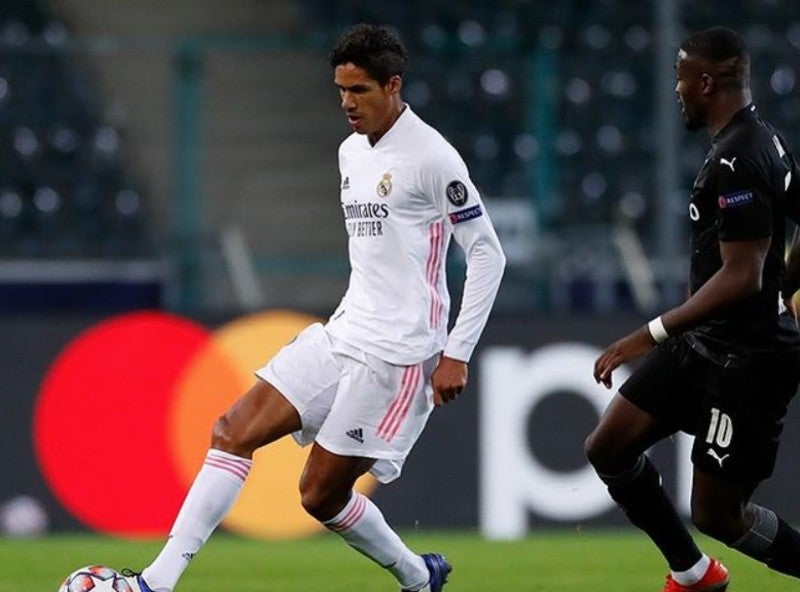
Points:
x=596 y=454
x=318 y=501
x=589 y=449
x=226 y=437
x=608 y=454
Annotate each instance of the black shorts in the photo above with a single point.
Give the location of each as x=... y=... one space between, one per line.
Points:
x=735 y=409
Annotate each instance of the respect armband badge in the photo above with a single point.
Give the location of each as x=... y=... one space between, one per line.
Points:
x=464 y=215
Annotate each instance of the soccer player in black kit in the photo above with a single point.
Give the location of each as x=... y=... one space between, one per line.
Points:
x=725 y=363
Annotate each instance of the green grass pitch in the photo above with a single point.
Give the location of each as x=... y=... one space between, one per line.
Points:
x=561 y=561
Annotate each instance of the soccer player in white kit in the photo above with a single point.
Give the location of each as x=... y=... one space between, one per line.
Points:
x=362 y=386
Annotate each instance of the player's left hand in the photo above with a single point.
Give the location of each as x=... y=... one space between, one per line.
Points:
x=623 y=350
x=448 y=380
x=791 y=305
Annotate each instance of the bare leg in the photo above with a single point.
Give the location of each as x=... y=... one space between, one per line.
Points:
x=259 y=417
x=326 y=489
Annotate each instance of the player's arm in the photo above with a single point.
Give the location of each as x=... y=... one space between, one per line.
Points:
x=485 y=265
x=744 y=228
x=791 y=279
x=738 y=278
x=447 y=182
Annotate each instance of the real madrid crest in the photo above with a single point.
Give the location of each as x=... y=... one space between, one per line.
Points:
x=384 y=187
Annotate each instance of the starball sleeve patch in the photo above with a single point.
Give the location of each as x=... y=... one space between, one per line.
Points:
x=732 y=200
x=457 y=193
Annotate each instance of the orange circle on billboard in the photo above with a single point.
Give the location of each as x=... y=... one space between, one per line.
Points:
x=269 y=504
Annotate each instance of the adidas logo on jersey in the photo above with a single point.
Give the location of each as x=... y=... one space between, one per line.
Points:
x=346 y=183
x=356 y=434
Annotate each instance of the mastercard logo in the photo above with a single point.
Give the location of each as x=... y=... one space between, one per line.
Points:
x=123 y=422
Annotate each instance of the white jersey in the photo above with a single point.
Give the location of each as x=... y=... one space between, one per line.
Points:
x=403 y=199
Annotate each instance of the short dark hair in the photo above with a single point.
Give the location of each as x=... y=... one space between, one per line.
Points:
x=721 y=44
x=374 y=48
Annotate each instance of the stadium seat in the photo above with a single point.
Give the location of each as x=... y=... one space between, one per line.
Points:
x=61 y=163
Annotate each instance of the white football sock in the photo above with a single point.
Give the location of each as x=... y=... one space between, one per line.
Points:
x=694 y=574
x=211 y=496
x=364 y=528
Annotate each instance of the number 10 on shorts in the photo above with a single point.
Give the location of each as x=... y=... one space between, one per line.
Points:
x=720 y=430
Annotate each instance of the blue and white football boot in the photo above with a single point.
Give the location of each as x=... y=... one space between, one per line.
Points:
x=439 y=569
x=135 y=581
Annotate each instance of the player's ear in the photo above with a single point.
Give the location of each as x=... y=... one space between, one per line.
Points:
x=706 y=83
x=394 y=84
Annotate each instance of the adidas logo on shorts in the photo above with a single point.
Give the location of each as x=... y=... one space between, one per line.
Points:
x=356 y=434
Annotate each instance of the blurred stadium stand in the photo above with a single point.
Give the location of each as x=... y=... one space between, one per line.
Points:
x=587 y=158
x=67 y=192
x=66 y=188
x=554 y=106
x=469 y=77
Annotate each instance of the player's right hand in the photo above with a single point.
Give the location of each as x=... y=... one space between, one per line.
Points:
x=792 y=305
x=623 y=350
x=448 y=380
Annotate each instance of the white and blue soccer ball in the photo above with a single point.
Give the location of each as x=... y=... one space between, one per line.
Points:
x=95 y=578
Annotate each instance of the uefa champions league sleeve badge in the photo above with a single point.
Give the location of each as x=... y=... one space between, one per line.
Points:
x=457 y=193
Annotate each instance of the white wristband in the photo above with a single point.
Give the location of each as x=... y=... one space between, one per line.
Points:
x=657 y=330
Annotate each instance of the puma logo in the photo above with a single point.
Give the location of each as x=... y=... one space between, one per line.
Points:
x=727 y=162
x=720 y=459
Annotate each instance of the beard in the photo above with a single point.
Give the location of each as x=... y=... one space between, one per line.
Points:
x=693 y=120
x=694 y=124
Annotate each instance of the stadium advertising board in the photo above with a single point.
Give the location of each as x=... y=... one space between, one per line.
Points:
x=101 y=411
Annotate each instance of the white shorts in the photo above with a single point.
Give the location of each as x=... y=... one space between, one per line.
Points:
x=350 y=402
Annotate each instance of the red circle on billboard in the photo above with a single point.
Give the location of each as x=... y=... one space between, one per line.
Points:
x=99 y=428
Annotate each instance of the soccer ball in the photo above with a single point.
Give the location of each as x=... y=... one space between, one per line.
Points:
x=95 y=578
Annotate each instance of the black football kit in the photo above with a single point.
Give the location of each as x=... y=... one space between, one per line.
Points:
x=729 y=380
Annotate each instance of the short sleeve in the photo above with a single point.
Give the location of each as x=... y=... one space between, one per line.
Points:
x=745 y=211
